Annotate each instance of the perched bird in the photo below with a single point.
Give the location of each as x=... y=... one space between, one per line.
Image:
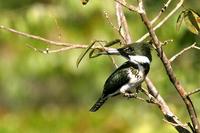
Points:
x=129 y=75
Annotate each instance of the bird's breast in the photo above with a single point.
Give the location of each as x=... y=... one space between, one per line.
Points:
x=136 y=76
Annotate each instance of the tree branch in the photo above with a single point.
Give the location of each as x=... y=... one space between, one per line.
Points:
x=170 y=117
x=64 y=46
x=183 y=51
x=35 y=37
x=162 y=21
x=122 y=23
x=161 y=11
x=130 y=7
x=193 y=92
x=169 y=69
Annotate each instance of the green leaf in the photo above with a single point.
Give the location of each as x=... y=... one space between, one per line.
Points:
x=83 y=54
x=190 y=19
x=180 y=20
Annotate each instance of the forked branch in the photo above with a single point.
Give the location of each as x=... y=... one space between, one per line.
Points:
x=63 y=46
x=169 y=69
x=183 y=51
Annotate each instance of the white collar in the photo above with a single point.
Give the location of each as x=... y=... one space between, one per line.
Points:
x=139 y=59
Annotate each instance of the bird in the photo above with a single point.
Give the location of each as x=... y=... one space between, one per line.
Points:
x=130 y=75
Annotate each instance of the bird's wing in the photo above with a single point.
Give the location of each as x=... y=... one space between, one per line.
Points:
x=117 y=79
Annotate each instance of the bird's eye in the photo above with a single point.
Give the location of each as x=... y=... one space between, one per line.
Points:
x=127 y=50
x=130 y=50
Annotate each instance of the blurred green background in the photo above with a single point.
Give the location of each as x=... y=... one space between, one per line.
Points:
x=46 y=93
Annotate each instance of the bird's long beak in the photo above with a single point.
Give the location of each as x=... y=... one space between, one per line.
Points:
x=111 y=51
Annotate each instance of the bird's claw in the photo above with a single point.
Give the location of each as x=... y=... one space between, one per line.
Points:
x=130 y=95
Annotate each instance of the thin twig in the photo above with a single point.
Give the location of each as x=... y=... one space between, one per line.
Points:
x=166 y=42
x=37 y=50
x=161 y=11
x=35 y=37
x=197 y=47
x=130 y=7
x=118 y=29
x=141 y=99
x=64 y=46
x=183 y=51
x=110 y=22
x=76 y=47
x=122 y=23
x=66 y=49
x=152 y=99
x=162 y=21
x=193 y=92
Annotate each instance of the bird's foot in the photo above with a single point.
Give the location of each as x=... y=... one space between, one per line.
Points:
x=130 y=95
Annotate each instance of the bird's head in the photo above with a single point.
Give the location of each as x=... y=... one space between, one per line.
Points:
x=137 y=52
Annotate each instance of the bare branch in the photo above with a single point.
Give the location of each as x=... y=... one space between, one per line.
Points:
x=64 y=46
x=37 y=50
x=193 y=92
x=68 y=48
x=141 y=99
x=34 y=37
x=122 y=23
x=130 y=7
x=183 y=51
x=151 y=97
x=169 y=116
x=166 y=42
x=118 y=29
x=47 y=51
x=161 y=11
x=169 y=69
x=161 y=104
x=109 y=21
x=197 y=47
x=162 y=21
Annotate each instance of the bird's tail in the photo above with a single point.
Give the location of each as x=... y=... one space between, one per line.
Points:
x=98 y=104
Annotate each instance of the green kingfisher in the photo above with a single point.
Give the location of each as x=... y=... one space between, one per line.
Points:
x=129 y=76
